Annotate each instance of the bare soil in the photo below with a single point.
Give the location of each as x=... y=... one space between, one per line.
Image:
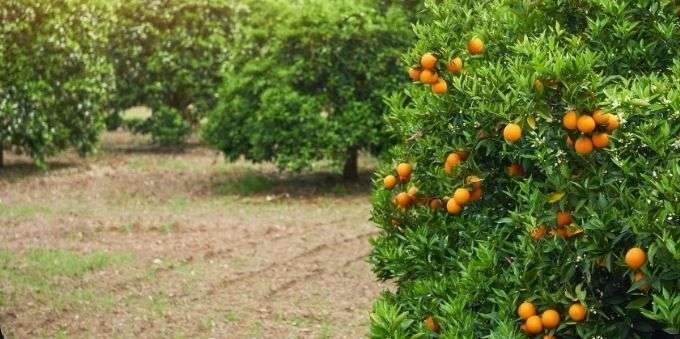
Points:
x=140 y=242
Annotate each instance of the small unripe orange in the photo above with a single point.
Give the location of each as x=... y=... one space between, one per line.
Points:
x=569 y=120
x=455 y=66
x=583 y=145
x=512 y=133
x=432 y=324
x=475 y=46
x=390 y=181
x=428 y=61
x=635 y=258
x=440 y=87
x=639 y=276
x=600 y=140
x=515 y=170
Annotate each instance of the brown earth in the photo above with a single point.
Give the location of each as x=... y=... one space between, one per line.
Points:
x=137 y=242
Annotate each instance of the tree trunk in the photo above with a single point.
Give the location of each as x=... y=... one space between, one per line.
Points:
x=2 y=155
x=351 y=168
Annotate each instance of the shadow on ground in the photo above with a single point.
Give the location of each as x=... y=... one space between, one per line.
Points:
x=18 y=170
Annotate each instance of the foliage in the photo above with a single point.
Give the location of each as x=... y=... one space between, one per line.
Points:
x=168 y=55
x=471 y=271
x=307 y=82
x=54 y=77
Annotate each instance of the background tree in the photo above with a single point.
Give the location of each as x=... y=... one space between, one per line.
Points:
x=539 y=193
x=54 y=76
x=168 y=55
x=307 y=82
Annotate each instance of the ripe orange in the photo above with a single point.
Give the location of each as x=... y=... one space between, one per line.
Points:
x=515 y=170
x=550 y=318
x=439 y=87
x=635 y=258
x=428 y=77
x=600 y=117
x=431 y=324
x=390 y=181
x=451 y=162
x=453 y=208
x=583 y=145
x=463 y=155
x=436 y=204
x=612 y=122
x=412 y=192
x=639 y=276
x=461 y=196
x=475 y=46
x=538 y=232
x=526 y=310
x=403 y=200
x=577 y=312
x=455 y=66
x=538 y=86
x=428 y=61
x=414 y=74
x=585 y=123
x=404 y=170
x=563 y=218
x=474 y=181
x=476 y=194
x=600 y=140
x=512 y=133
x=534 y=325
x=569 y=120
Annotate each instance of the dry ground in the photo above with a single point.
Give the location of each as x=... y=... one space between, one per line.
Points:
x=135 y=242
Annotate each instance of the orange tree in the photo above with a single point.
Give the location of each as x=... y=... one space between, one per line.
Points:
x=306 y=81
x=54 y=76
x=536 y=189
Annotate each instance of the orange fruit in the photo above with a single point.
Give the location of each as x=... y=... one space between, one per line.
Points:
x=515 y=170
x=436 y=204
x=585 y=124
x=414 y=74
x=600 y=117
x=403 y=200
x=561 y=231
x=534 y=325
x=523 y=328
x=461 y=196
x=431 y=324
x=635 y=258
x=550 y=318
x=639 y=276
x=549 y=336
x=390 y=181
x=577 y=312
x=538 y=232
x=412 y=192
x=512 y=133
x=428 y=77
x=563 y=218
x=463 y=155
x=453 y=208
x=440 y=87
x=569 y=120
x=452 y=160
x=428 y=61
x=455 y=66
x=583 y=145
x=475 y=46
x=404 y=170
x=600 y=140
x=612 y=122
x=526 y=310
x=476 y=194
x=538 y=86
x=474 y=181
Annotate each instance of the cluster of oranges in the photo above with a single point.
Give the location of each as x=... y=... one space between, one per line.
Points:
x=534 y=324
x=562 y=228
x=594 y=129
x=635 y=258
x=427 y=73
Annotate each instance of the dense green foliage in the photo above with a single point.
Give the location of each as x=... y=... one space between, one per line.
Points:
x=168 y=55
x=471 y=271
x=307 y=81
x=54 y=76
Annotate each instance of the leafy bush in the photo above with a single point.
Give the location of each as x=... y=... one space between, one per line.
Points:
x=54 y=76
x=307 y=82
x=542 y=216
x=168 y=55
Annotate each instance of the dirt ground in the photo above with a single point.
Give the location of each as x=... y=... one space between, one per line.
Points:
x=137 y=242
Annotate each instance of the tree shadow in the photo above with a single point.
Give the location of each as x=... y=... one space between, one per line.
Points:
x=20 y=169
